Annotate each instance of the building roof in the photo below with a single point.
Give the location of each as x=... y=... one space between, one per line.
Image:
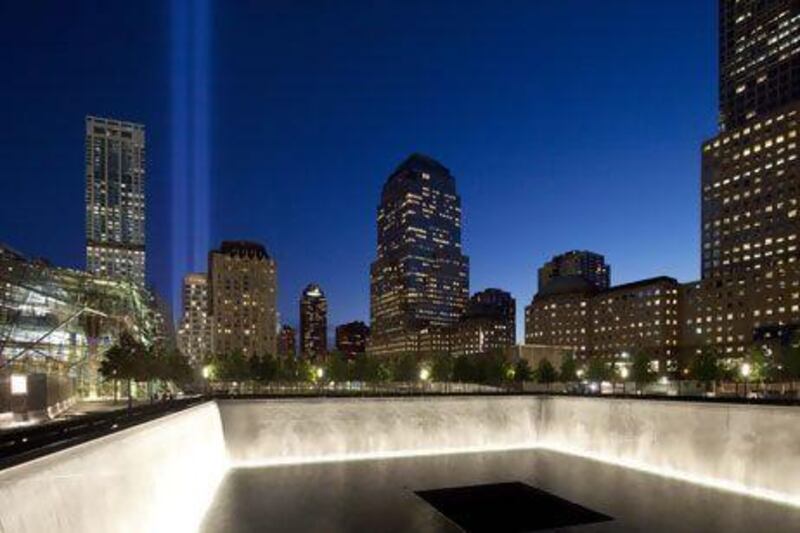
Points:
x=567 y=285
x=418 y=162
x=243 y=248
x=642 y=283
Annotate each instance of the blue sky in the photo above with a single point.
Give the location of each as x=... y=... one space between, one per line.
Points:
x=567 y=124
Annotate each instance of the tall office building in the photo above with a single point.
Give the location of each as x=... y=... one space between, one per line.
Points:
x=194 y=333
x=313 y=322
x=419 y=282
x=115 y=199
x=351 y=338
x=242 y=291
x=750 y=184
x=588 y=265
x=287 y=341
x=759 y=59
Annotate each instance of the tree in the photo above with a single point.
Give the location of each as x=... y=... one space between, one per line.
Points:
x=490 y=369
x=406 y=368
x=263 y=368
x=464 y=370
x=791 y=362
x=124 y=360
x=336 y=367
x=522 y=371
x=705 y=367
x=598 y=370
x=568 y=370
x=546 y=372
x=761 y=366
x=442 y=368
x=232 y=367
x=641 y=372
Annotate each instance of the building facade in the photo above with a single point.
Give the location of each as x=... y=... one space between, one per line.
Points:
x=750 y=185
x=351 y=338
x=419 y=283
x=242 y=289
x=587 y=265
x=313 y=322
x=759 y=65
x=287 y=341
x=639 y=317
x=195 y=330
x=115 y=199
x=488 y=325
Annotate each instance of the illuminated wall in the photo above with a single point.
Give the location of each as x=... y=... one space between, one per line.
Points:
x=162 y=475
x=158 y=476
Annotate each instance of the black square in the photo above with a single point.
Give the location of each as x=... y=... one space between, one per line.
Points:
x=507 y=507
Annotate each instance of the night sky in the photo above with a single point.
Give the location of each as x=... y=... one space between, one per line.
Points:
x=567 y=124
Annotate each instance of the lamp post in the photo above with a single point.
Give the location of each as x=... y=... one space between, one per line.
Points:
x=319 y=373
x=745 y=370
x=207 y=373
x=424 y=376
x=624 y=373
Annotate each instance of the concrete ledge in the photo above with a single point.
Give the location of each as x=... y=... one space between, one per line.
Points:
x=158 y=476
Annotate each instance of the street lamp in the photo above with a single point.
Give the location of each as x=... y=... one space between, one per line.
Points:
x=745 y=370
x=424 y=374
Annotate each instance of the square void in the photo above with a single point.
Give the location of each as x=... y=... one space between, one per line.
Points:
x=507 y=507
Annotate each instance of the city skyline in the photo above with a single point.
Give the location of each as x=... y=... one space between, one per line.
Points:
x=530 y=172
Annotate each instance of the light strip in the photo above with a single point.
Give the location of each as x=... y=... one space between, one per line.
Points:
x=705 y=481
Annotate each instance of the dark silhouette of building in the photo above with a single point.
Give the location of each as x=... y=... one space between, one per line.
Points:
x=588 y=265
x=420 y=280
x=313 y=322
x=351 y=338
x=488 y=325
x=287 y=341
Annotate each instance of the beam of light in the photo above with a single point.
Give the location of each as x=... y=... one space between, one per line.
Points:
x=200 y=222
x=179 y=102
x=190 y=136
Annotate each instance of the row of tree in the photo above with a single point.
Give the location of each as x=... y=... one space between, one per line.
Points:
x=129 y=361
x=490 y=369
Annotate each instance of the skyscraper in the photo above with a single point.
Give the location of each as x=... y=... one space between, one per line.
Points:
x=750 y=183
x=759 y=59
x=588 y=265
x=194 y=333
x=313 y=322
x=115 y=199
x=242 y=292
x=420 y=279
